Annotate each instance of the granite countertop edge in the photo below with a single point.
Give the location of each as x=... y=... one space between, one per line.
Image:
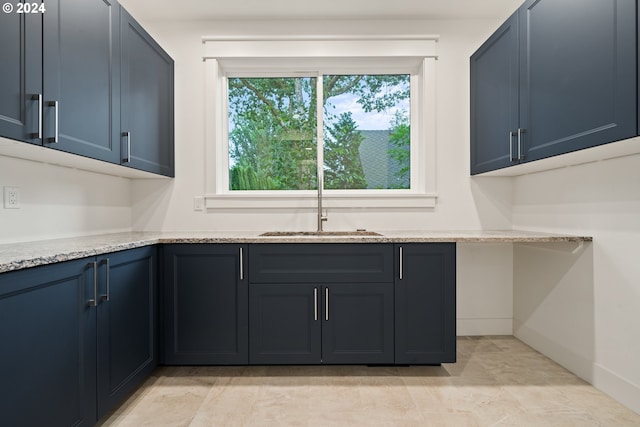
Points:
x=18 y=256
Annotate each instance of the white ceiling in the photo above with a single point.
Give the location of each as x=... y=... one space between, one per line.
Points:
x=318 y=9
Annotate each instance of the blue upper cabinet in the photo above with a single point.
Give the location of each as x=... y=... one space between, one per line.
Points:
x=577 y=82
x=75 y=79
x=146 y=101
x=494 y=99
x=577 y=74
x=80 y=59
x=21 y=76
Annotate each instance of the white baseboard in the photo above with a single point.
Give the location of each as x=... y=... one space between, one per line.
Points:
x=583 y=366
x=579 y=364
x=479 y=326
x=617 y=387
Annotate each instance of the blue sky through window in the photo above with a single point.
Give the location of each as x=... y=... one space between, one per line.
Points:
x=373 y=120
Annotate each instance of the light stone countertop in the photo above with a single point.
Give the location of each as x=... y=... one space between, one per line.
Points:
x=16 y=256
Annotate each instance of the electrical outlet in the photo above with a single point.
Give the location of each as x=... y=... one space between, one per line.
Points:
x=11 y=198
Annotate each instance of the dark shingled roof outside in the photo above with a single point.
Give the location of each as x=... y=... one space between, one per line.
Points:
x=379 y=168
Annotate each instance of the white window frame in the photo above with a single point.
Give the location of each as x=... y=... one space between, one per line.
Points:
x=286 y=56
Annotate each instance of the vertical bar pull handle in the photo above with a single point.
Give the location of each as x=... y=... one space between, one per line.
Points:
x=326 y=304
x=94 y=302
x=56 y=122
x=511 y=135
x=315 y=303
x=38 y=97
x=107 y=296
x=401 y=257
x=241 y=258
x=520 y=151
x=127 y=158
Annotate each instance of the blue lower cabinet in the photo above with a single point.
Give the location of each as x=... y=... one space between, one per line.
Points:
x=321 y=303
x=285 y=324
x=425 y=303
x=318 y=303
x=298 y=323
x=126 y=324
x=48 y=357
x=357 y=324
x=77 y=338
x=205 y=299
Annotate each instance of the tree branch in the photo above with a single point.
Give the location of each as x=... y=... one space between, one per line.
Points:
x=274 y=111
x=329 y=91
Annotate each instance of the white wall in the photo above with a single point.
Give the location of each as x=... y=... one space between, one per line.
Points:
x=582 y=308
x=62 y=202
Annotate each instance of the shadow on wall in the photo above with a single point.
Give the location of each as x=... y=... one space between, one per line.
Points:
x=493 y=199
x=151 y=200
x=554 y=304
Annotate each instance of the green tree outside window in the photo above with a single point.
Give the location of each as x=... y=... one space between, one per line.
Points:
x=272 y=132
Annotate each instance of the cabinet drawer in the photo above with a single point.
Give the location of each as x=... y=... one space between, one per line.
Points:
x=320 y=263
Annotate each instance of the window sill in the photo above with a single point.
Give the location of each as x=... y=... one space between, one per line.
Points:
x=307 y=200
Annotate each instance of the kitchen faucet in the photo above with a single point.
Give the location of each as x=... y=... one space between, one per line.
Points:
x=321 y=217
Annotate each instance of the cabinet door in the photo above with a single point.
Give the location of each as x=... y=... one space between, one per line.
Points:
x=425 y=303
x=205 y=304
x=80 y=78
x=20 y=76
x=284 y=324
x=48 y=357
x=126 y=324
x=146 y=101
x=578 y=74
x=494 y=99
x=357 y=325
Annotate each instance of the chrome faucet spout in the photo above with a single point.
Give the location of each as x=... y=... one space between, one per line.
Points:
x=321 y=217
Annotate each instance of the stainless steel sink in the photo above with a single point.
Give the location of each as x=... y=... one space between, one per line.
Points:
x=320 y=233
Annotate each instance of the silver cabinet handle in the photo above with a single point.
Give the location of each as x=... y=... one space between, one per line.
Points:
x=107 y=296
x=38 y=97
x=401 y=262
x=241 y=265
x=511 y=135
x=127 y=135
x=94 y=302
x=520 y=153
x=326 y=304
x=315 y=303
x=56 y=123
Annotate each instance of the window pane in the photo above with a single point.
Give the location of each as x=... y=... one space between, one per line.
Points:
x=367 y=131
x=272 y=124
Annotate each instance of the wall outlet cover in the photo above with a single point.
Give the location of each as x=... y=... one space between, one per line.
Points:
x=11 y=198
x=198 y=204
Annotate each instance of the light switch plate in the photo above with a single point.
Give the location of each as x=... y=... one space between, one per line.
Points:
x=198 y=204
x=11 y=198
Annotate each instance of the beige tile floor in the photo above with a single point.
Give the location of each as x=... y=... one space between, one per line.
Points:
x=497 y=381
